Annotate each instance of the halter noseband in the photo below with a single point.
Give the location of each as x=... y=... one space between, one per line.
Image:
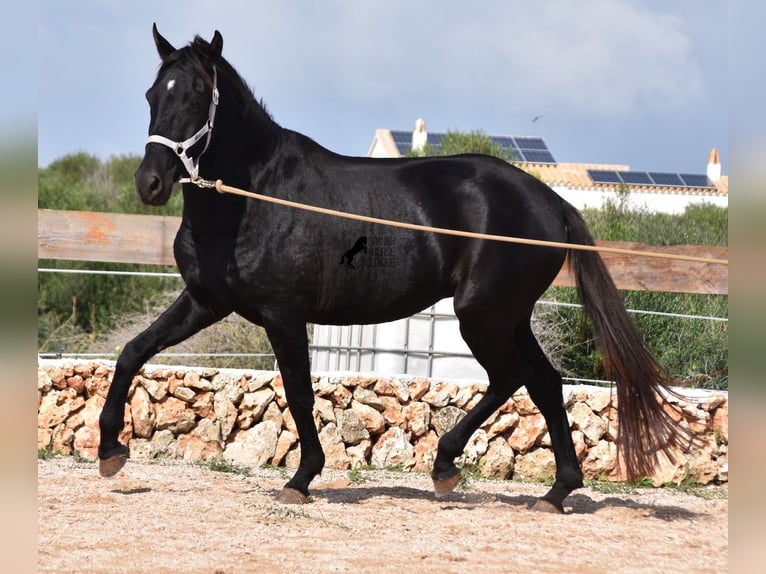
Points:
x=180 y=148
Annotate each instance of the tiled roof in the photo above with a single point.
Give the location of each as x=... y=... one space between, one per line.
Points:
x=575 y=176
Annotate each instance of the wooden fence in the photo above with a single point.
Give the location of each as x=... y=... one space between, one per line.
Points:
x=121 y=238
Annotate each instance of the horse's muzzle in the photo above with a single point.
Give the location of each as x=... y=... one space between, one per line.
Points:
x=153 y=185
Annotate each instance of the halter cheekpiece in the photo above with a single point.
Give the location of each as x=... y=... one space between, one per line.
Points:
x=180 y=148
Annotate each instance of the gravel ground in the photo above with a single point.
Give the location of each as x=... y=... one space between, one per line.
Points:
x=174 y=517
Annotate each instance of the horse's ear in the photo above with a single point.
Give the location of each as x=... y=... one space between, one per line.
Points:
x=164 y=48
x=216 y=47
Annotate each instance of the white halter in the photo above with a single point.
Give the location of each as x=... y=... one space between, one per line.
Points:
x=180 y=148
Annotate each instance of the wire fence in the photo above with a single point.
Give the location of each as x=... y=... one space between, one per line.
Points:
x=344 y=352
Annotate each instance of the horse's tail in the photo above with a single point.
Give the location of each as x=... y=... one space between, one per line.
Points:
x=645 y=425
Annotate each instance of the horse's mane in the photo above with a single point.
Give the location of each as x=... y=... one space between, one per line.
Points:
x=197 y=52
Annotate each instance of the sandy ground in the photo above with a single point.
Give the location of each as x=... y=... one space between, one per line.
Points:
x=174 y=517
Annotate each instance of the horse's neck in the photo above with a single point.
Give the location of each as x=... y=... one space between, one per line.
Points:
x=245 y=139
x=209 y=212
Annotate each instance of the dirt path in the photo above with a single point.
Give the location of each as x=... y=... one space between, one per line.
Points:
x=172 y=517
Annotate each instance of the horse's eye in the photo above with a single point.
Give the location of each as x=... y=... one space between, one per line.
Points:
x=199 y=85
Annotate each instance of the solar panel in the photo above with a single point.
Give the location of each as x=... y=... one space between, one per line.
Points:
x=535 y=156
x=401 y=137
x=531 y=143
x=523 y=148
x=604 y=176
x=503 y=141
x=635 y=177
x=668 y=179
x=696 y=180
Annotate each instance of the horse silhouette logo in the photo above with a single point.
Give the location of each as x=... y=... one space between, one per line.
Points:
x=348 y=256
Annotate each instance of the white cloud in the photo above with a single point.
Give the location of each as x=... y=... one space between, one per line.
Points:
x=583 y=56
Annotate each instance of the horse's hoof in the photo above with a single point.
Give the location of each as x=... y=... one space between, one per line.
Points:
x=543 y=505
x=292 y=496
x=110 y=466
x=442 y=487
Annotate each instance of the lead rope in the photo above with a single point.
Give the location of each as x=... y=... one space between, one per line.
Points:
x=220 y=187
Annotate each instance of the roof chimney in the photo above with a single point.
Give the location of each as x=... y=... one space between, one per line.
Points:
x=714 y=166
x=419 y=136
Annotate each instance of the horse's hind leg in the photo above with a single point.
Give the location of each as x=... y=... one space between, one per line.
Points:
x=507 y=371
x=545 y=389
x=180 y=321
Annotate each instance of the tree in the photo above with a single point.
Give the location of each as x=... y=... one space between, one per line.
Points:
x=456 y=142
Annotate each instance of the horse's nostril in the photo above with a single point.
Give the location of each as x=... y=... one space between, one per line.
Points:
x=155 y=185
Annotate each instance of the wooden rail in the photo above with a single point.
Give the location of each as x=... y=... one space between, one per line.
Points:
x=121 y=238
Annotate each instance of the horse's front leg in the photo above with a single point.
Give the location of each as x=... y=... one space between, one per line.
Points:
x=181 y=320
x=290 y=343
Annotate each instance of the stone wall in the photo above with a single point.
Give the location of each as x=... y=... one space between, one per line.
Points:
x=241 y=416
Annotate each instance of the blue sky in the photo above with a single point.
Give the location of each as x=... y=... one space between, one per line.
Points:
x=642 y=83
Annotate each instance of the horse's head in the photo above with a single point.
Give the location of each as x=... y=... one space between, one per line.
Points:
x=182 y=104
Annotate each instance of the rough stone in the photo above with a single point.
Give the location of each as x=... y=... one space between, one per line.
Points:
x=445 y=419
x=259 y=382
x=278 y=385
x=185 y=394
x=203 y=405
x=369 y=397
x=77 y=383
x=157 y=388
x=591 y=425
x=720 y=423
x=524 y=405
x=352 y=429
x=535 y=465
x=526 y=434
x=143 y=413
x=202 y=443
x=437 y=396
x=418 y=388
x=393 y=448
x=359 y=381
x=253 y=447
x=502 y=424
x=425 y=452
x=464 y=393
x=44 y=383
x=359 y=454
x=499 y=461
x=274 y=414
x=324 y=408
x=600 y=461
x=475 y=448
x=373 y=421
x=418 y=417
x=56 y=406
x=198 y=383
x=334 y=449
x=393 y=413
x=599 y=402
x=393 y=387
x=174 y=414
x=225 y=412
x=284 y=443
x=255 y=404
x=86 y=441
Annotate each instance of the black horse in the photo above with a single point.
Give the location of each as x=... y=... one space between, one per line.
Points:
x=278 y=267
